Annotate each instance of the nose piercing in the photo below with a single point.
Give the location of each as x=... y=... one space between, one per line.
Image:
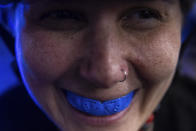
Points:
x=125 y=76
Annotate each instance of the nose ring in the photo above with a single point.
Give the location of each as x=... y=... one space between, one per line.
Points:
x=125 y=76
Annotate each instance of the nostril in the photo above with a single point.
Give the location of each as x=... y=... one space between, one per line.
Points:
x=101 y=75
x=105 y=71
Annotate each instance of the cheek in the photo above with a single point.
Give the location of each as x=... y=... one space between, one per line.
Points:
x=45 y=57
x=161 y=64
x=156 y=62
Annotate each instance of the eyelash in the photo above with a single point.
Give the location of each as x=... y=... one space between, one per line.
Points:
x=141 y=19
x=151 y=13
x=146 y=13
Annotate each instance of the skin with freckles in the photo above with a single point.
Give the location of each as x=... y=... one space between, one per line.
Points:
x=85 y=47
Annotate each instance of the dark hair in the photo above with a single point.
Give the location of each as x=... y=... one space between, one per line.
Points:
x=185 y=4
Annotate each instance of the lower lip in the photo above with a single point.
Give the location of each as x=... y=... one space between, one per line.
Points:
x=98 y=120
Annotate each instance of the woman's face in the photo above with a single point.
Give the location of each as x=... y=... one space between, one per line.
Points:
x=85 y=47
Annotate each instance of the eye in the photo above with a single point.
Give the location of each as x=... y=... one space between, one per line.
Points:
x=147 y=14
x=62 y=20
x=141 y=19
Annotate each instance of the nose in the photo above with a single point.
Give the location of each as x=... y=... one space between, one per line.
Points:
x=104 y=64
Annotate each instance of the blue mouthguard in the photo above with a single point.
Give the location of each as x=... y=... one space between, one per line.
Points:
x=96 y=107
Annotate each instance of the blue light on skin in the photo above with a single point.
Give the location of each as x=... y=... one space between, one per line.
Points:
x=19 y=24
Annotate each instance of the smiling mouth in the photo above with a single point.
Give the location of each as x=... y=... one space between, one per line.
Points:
x=94 y=107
